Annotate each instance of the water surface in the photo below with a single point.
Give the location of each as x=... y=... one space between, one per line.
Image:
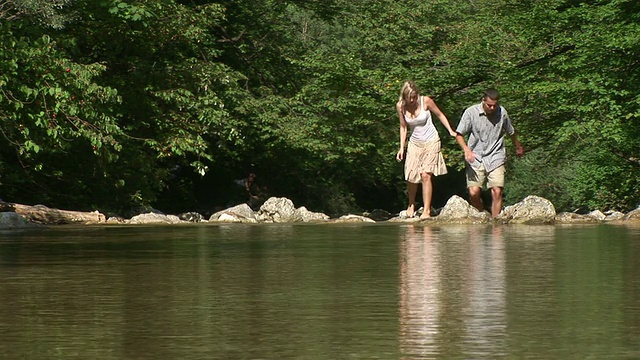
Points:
x=329 y=291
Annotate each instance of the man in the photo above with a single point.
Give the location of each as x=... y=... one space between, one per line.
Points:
x=485 y=154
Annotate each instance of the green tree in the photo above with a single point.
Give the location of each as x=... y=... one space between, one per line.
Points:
x=49 y=104
x=47 y=13
x=115 y=104
x=584 y=117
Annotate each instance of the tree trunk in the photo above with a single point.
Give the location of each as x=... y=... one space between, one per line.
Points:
x=43 y=215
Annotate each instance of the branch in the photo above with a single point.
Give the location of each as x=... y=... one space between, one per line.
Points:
x=9 y=11
x=551 y=55
x=630 y=159
x=233 y=39
x=479 y=79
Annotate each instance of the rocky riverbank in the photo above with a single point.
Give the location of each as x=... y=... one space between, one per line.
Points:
x=531 y=210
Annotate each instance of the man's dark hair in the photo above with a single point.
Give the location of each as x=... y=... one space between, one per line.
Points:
x=492 y=94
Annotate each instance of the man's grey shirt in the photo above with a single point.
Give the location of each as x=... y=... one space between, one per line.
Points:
x=486 y=138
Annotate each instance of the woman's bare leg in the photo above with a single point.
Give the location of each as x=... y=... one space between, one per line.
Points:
x=427 y=193
x=412 y=191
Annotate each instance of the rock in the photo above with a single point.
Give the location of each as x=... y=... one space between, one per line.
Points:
x=12 y=220
x=230 y=218
x=353 y=219
x=632 y=217
x=116 y=220
x=153 y=218
x=7 y=207
x=457 y=210
x=532 y=210
x=403 y=215
x=279 y=210
x=240 y=213
x=574 y=218
x=403 y=218
x=613 y=215
x=191 y=217
x=379 y=215
x=274 y=210
x=597 y=214
x=310 y=216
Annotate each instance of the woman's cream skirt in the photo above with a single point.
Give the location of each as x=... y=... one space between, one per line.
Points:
x=423 y=157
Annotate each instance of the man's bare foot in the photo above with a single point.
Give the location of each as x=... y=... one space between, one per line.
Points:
x=411 y=211
x=425 y=216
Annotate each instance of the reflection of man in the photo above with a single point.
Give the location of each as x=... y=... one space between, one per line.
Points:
x=485 y=154
x=485 y=290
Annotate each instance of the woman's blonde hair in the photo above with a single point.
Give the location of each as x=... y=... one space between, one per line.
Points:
x=408 y=88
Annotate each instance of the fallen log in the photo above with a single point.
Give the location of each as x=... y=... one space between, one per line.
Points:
x=41 y=214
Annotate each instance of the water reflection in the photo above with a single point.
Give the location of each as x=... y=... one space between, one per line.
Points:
x=419 y=291
x=485 y=312
x=452 y=285
x=377 y=291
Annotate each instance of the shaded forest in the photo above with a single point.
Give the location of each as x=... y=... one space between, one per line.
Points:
x=115 y=105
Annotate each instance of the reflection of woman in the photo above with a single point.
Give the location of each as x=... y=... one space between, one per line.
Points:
x=424 y=159
x=420 y=292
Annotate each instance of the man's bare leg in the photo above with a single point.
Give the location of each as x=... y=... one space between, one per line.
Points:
x=496 y=201
x=475 y=197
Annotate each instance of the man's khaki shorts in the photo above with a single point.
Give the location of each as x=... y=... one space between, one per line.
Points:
x=476 y=177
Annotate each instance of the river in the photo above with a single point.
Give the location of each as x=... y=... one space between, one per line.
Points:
x=323 y=291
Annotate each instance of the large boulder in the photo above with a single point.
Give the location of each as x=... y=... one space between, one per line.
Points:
x=238 y=214
x=280 y=210
x=457 y=210
x=531 y=210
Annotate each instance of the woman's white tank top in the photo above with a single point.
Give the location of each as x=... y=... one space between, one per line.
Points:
x=421 y=126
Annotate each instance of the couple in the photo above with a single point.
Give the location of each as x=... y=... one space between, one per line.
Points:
x=485 y=155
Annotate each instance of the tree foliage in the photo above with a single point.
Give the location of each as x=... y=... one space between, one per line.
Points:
x=115 y=104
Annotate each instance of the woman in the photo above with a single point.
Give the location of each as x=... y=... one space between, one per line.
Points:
x=424 y=159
